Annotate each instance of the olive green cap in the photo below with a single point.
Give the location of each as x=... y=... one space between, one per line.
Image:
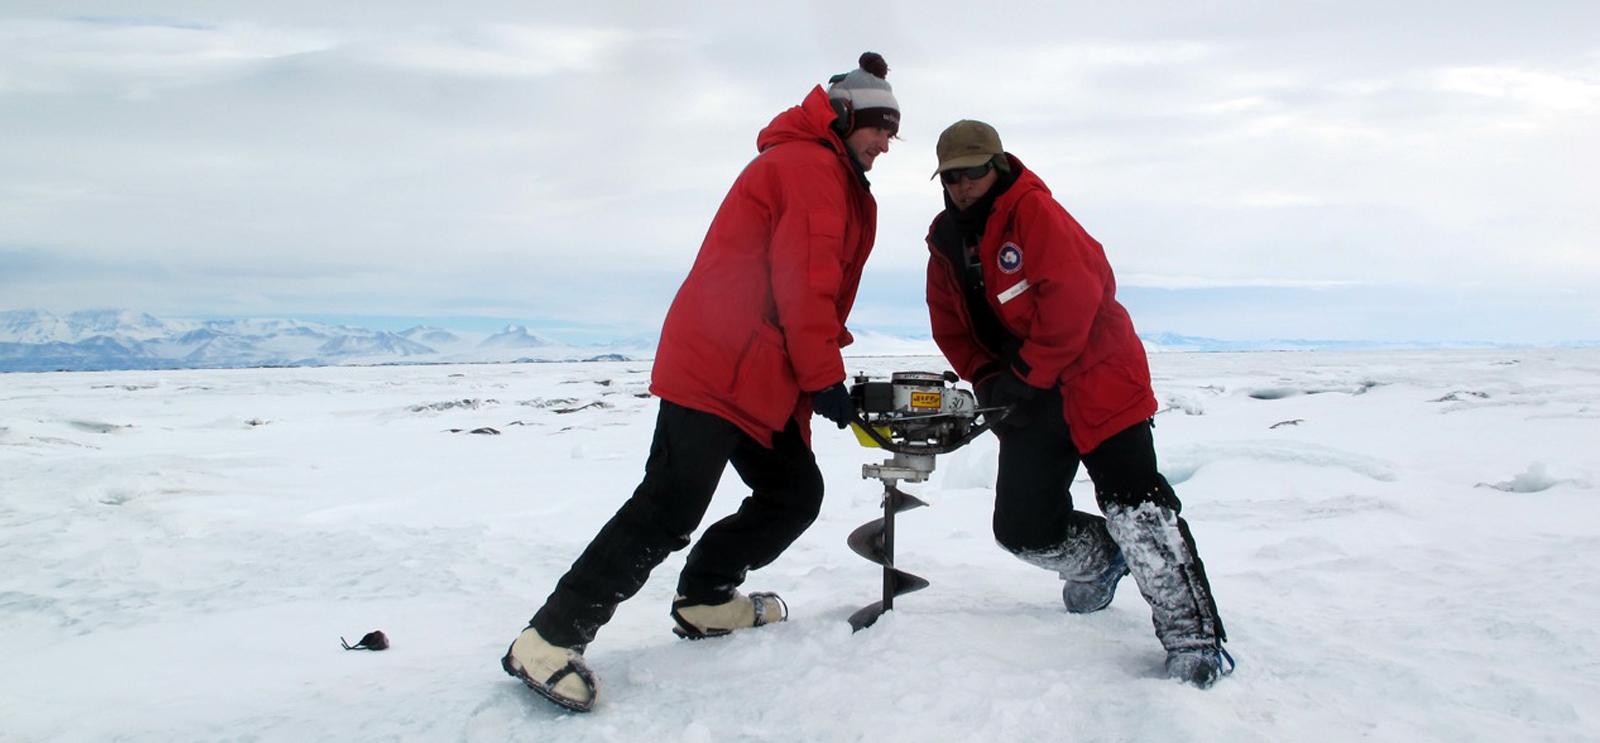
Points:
x=967 y=143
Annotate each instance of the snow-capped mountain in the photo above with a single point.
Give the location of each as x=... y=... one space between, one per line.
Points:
x=379 y=344
x=873 y=343
x=516 y=336
x=39 y=327
x=1173 y=342
x=430 y=336
x=35 y=340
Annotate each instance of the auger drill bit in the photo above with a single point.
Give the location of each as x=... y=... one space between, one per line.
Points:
x=915 y=416
x=874 y=540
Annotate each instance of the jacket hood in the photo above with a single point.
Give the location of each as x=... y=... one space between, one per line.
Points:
x=811 y=121
x=1026 y=182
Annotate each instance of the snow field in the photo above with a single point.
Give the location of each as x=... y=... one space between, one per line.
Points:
x=1411 y=560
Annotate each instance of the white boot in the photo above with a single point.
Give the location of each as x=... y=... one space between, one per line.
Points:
x=558 y=674
x=696 y=621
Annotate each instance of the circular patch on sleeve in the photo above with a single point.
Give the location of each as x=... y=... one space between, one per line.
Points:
x=1010 y=258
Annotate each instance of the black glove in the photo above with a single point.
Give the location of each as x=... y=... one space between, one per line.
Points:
x=1005 y=390
x=834 y=404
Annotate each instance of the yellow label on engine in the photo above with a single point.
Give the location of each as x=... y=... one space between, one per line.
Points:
x=927 y=400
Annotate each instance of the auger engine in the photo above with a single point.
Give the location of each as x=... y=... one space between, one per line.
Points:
x=915 y=416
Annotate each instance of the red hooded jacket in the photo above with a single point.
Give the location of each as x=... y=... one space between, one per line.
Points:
x=760 y=319
x=1051 y=288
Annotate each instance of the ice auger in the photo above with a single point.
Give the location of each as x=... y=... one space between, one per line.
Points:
x=914 y=416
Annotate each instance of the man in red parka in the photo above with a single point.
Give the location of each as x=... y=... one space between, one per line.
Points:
x=749 y=349
x=1023 y=304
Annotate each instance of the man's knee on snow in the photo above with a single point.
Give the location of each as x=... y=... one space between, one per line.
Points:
x=1027 y=536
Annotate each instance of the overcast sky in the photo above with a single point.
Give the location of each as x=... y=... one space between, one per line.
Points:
x=1375 y=170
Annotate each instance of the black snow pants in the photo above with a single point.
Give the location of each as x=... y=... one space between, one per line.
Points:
x=687 y=457
x=1033 y=505
x=1034 y=518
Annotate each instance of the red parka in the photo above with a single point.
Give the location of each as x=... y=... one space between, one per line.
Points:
x=1049 y=284
x=759 y=321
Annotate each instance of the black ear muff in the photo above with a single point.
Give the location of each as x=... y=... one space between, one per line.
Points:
x=844 y=119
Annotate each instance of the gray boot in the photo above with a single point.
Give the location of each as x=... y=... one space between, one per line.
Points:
x=1161 y=554
x=1095 y=592
x=1088 y=562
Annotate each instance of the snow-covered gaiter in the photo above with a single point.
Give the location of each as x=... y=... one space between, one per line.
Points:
x=1161 y=555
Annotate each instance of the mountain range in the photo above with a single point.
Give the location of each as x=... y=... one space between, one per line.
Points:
x=35 y=340
x=95 y=340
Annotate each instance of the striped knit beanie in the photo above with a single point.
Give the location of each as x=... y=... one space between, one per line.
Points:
x=866 y=90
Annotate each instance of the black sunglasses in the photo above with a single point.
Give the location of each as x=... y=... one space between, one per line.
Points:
x=954 y=175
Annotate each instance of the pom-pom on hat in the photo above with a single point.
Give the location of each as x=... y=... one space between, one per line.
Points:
x=866 y=90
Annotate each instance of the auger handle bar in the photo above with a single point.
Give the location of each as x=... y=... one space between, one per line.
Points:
x=991 y=417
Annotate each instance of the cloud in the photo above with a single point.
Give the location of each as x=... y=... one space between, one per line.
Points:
x=1537 y=89
x=504 y=50
x=133 y=55
x=493 y=155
